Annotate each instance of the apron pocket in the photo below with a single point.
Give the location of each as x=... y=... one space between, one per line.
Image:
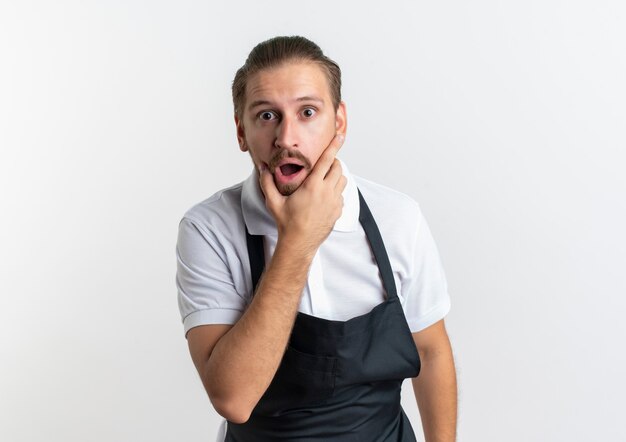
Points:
x=302 y=380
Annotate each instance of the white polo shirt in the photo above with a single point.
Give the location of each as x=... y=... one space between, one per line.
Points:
x=213 y=271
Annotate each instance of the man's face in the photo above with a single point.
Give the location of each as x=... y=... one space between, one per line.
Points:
x=288 y=120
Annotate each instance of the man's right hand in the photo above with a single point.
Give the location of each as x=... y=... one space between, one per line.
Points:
x=308 y=215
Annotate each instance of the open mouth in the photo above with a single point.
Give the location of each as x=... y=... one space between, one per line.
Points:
x=287 y=173
x=290 y=169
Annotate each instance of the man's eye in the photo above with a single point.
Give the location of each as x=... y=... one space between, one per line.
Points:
x=308 y=112
x=267 y=115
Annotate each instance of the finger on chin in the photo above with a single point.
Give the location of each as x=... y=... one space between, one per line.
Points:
x=268 y=187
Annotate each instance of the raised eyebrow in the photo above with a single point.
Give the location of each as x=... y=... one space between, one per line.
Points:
x=256 y=103
x=310 y=98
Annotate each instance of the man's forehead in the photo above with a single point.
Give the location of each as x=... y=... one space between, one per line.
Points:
x=292 y=82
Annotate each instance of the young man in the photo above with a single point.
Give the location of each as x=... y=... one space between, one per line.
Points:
x=309 y=294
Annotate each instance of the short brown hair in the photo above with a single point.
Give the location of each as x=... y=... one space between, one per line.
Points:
x=279 y=50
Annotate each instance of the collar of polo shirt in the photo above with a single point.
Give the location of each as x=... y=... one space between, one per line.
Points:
x=260 y=221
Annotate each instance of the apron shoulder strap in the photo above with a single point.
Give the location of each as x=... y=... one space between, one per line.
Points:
x=378 y=247
x=256 y=255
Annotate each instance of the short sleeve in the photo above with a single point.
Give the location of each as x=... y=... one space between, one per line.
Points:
x=425 y=290
x=206 y=289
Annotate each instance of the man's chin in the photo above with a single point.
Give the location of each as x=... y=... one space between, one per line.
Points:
x=288 y=189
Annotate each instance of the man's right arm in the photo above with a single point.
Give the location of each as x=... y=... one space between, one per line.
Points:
x=243 y=361
x=237 y=363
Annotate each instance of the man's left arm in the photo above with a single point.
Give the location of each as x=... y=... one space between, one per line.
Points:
x=435 y=387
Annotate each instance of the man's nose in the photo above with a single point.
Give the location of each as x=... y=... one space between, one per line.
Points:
x=287 y=134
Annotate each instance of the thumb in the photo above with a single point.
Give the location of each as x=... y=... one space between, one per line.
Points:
x=268 y=187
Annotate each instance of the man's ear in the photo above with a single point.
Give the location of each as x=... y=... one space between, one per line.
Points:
x=341 y=119
x=241 y=137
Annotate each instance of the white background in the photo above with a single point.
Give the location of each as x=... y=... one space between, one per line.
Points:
x=504 y=120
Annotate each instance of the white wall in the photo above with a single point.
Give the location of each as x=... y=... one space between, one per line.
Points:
x=505 y=120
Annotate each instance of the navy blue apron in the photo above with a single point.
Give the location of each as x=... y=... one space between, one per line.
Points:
x=338 y=381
